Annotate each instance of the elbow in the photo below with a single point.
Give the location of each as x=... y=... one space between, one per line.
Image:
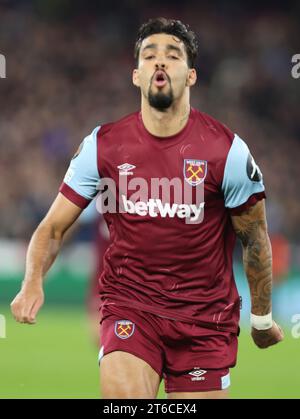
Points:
x=49 y=229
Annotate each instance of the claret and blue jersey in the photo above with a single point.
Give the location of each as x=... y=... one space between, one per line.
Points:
x=157 y=261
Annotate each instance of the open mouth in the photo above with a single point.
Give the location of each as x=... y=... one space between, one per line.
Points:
x=160 y=79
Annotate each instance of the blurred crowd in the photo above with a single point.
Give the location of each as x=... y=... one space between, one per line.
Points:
x=69 y=72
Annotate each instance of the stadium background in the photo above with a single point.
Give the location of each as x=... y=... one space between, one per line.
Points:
x=68 y=69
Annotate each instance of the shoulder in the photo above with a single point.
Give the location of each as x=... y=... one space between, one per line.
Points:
x=216 y=130
x=216 y=140
x=114 y=127
x=242 y=177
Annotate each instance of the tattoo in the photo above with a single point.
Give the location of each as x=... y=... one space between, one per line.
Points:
x=251 y=228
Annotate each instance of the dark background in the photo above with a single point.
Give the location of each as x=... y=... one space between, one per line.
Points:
x=68 y=69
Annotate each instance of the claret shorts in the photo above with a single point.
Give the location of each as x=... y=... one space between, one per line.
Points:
x=189 y=357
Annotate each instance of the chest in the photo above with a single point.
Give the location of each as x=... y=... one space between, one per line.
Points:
x=191 y=160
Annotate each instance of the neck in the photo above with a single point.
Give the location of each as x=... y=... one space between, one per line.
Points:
x=169 y=122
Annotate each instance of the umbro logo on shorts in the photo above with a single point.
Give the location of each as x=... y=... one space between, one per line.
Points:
x=124 y=329
x=198 y=374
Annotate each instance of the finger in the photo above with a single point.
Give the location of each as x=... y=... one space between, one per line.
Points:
x=279 y=333
x=281 y=336
x=25 y=315
x=35 y=308
x=27 y=320
x=16 y=313
x=17 y=318
x=16 y=308
x=273 y=341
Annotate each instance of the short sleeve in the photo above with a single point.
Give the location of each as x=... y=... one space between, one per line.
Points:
x=242 y=184
x=80 y=184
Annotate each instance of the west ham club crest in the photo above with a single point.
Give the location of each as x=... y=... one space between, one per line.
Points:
x=194 y=171
x=124 y=329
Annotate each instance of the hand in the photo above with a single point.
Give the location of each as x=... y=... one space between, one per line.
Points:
x=265 y=338
x=27 y=303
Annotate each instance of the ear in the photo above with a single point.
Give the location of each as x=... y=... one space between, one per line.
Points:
x=136 y=77
x=192 y=77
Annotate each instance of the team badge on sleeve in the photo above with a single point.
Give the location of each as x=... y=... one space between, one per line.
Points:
x=194 y=171
x=253 y=170
x=124 y=329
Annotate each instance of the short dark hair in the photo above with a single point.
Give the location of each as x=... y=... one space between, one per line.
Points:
x=170 y=27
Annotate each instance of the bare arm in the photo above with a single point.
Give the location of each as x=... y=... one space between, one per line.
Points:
x=251 y=228
x=42 y=251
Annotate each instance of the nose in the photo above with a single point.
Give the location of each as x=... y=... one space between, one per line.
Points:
x=160 y=66
x=160 y=63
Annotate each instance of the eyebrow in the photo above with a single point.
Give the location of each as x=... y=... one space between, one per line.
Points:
x=169 y=47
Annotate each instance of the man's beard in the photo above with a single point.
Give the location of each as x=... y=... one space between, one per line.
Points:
x=160 y=101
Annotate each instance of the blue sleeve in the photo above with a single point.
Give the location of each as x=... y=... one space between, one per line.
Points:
x=242 y=177
x=82 y=175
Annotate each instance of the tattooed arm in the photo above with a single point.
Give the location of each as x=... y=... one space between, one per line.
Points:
x=251 y=228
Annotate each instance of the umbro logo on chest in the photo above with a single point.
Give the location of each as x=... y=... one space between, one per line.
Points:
x=126 y=169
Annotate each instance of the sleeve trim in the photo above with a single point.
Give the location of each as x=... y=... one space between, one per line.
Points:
x=252 y=200
x=73 y=196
